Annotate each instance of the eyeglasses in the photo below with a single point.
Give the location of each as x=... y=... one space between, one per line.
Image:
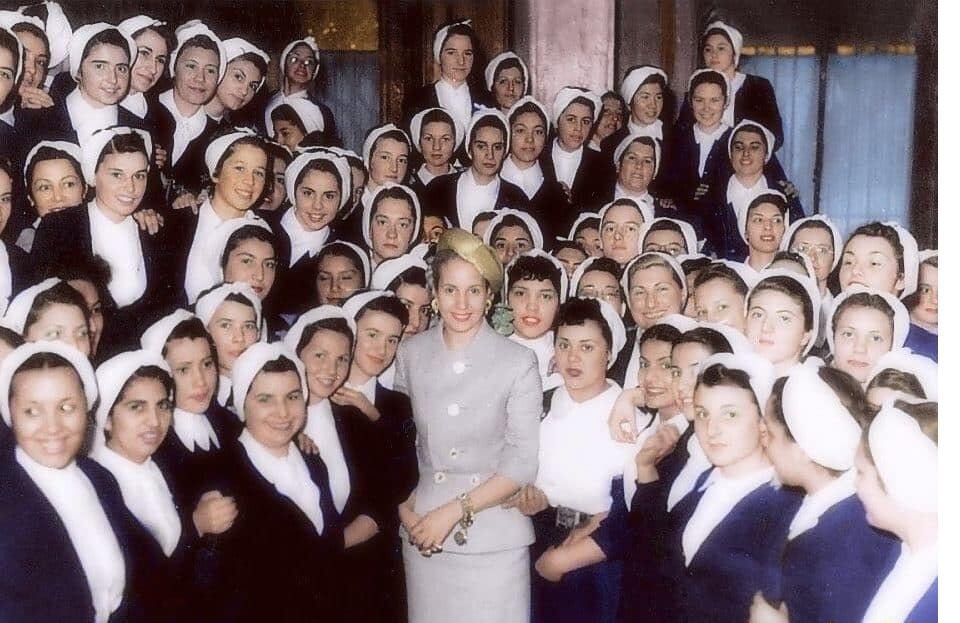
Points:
x=306 y=62
x=819 y=250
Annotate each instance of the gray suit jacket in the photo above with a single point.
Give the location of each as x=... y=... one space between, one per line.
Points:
x=477 y=412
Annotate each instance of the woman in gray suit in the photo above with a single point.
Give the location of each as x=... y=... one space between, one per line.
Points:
x=477 y=403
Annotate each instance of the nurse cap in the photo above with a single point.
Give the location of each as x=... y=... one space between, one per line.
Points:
x=19 y=355
x=922 y=368
x=906 y=459
x=249 y=364
x=292 y=339
x=112 y=375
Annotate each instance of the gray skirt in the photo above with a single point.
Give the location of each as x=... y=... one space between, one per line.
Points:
x=468 y=588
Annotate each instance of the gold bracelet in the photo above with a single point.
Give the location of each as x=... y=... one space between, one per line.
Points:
x=466 y=519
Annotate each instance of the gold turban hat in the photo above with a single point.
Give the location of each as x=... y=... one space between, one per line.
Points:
x=471 y=248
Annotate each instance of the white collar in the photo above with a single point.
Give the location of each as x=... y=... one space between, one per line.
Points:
x=461 y=90
x=735 y=84
x=186 y=128
x=814 y=505
x=322 y=430
x=146 y=494
x=426 y=176
x=562 y=154
x=529 y=180
x=194 y=430
x=490 y=188
x=302 y=240
x=740 y=196
x=8 y=117
x=85 y=118
x=135 y=103
x=119 y=245
x=368 y=388
x=708 y=137
x=653 y=130
x=620 y=192
x=544 y=349
x=904 y=586
x=224 y=389
x=697 y=463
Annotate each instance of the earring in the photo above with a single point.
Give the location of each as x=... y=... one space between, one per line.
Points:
x=435 y=306
x=489 y=305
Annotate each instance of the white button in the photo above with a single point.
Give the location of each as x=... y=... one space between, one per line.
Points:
x=474 y=480
x=453 y=409
x=459 y=367
x=453 y=453
x=439 y=477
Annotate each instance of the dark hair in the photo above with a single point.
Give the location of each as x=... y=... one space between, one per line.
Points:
x=459 y=29
x=110 y=36
x=255 y=59
x=145 y=372
x=695 y=264
x=577 y=311
x=879 y=230
x=666 y=225
x=791 y=288
x=592 y=222
x=285 y=112
x=560 y=245
x=131 y=143
x=393 y=192
x=236 y=297
x=582 y=99
x=200 y=41
x=776 y=200
x=396 y=135
x=487 y=215
x=337 y=325
x=913 y=299
x=253 y=141
x=715 y=341
x=247 y=232
x=46 y=153
x=319 y=164
x=164 y=31
x=339 y=249
x=710 y=77
x=813 y=224
x=389 y=305
x=280 y=365
x=717 y=270
x=528 y=107
x=791 y=256
x=650 y=142
x=278 y=151
x=898 y=380
x=713 y=31
x=437 y=115
x=753 y=129
x=603 y=265
x=94 y=270
x=535 y=268
x=192 y=329
x=414 y=276
x=488 y=121
x=658 y=333
x=60 y=293
x=719 y=375
x=864 y=299
x=511 y=220
x=648 y=260
x=10 y=43
x=510 y=63
x=10 y=337
x=45 y=361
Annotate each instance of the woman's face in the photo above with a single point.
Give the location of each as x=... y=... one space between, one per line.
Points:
x=462 y=296
x=388 y=163
x=105 y=74
x=686 y=359
x=528 y=135
x=59 y=322
x=317 y=200
x=433 y=228
x=36 y=59
x=787 y=456
x=871 y=261
x=194 y=373
x=508 y=87
x=6 y=199
x=582 y=355
x=326 y=360
x=926 y=311
x=48 y=412
x=667 y=241
x=121 y=182
x=882 y=511
x=487 y=151
x=573 y=126
x=708 y=104
x=748 y=153
x=358 y=179
x=253 y=262
x=416 y=299
x=196 y=75
x=139 y=420
x=391 y=228
x=611 y=118
x=654 y=293
x=239 y=84
x=287 y=133
x=655 y=374
x=337 y=278
x=571 y=259
x=274 y=410
x=95 y=308
x=535 y=305
x=510 y=241
x=278 y=192
x=55 y=185
x=817 y=244
x=637 y=168
x=234 y=329
x=242 y=178
x=589 y=239
x=775 y=327
x=152 y=58
x=300 y=65
x=719 y=301
x=8 y=73
x=456 y=58
x=647 y=103
x=437 y=142
x=599 y=284
x=765 y=228
x=378 y=335
x=860 y=336
x=620 y=233
x=718 y=53
x=727 y=424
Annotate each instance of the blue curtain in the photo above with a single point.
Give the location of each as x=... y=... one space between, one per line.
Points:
x=795 y=80
x=352 y=93
x=868 y=139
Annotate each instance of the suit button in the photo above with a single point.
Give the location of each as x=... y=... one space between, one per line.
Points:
x=439 y=477
x=475 y=480
x=459 y=367
x=454 y=453
x=453 y=409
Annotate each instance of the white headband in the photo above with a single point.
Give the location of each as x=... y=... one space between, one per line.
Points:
x=219 y=146
x=809 y=286
x=490 y=73
x=646 y=213
x=926 y=254
x=58 y=31
x=71 y=149
x=93 y=147
x=7 y=22
x=922 y=368
x=758 y=370
x=135 y=24
x=16 y=315
x=566 y=95
x=416 y=126
x=767 y=135
x=906 y=459
x=678 y=321
x=112 y=375
x=628 y=140
x=580 y=219
x=735 y=36
x=529 y=99
x=309 y=114
x=816 y=218
x=635 y=79
x=374 y=135
x=216 y=242
x=746 y=272
x=535 y=234
x=671 y=262
x=489 y=112
x=388 y=270
x=155 y=337
x=737 y=340
x=618 y=331
x=369 y=207
x=19 y=355
x=745 y=212
x=206 y=306
x=194 y=28
x=901 y=317
x=561 y=272
x=340 y=164
x=237 y=47
x=357 y=251
x=311 y=43
x=84 y=34
x=818 y=421
x=292 y=339
x=356 y=302
x=441 y=36
x=686 y=230
x=249 y=364
x=911 y=258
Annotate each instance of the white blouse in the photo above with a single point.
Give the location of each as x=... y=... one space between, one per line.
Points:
x=911 y=577
x=814 y=505
x=529 y=179
x=456 y=100
x=739 y=196
x=302 y=240
x=200 y=274
x=85 y=118
x=194 y=430
x=543 y=347
x=474 y=198
x=322 y=430
x=566 y=163
x=135 y=103
x=426 y=176
x=72 y=495
x=187 y=128
x=696 y=464
x=705 y=141
x=653 y=130
x=119 y=245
